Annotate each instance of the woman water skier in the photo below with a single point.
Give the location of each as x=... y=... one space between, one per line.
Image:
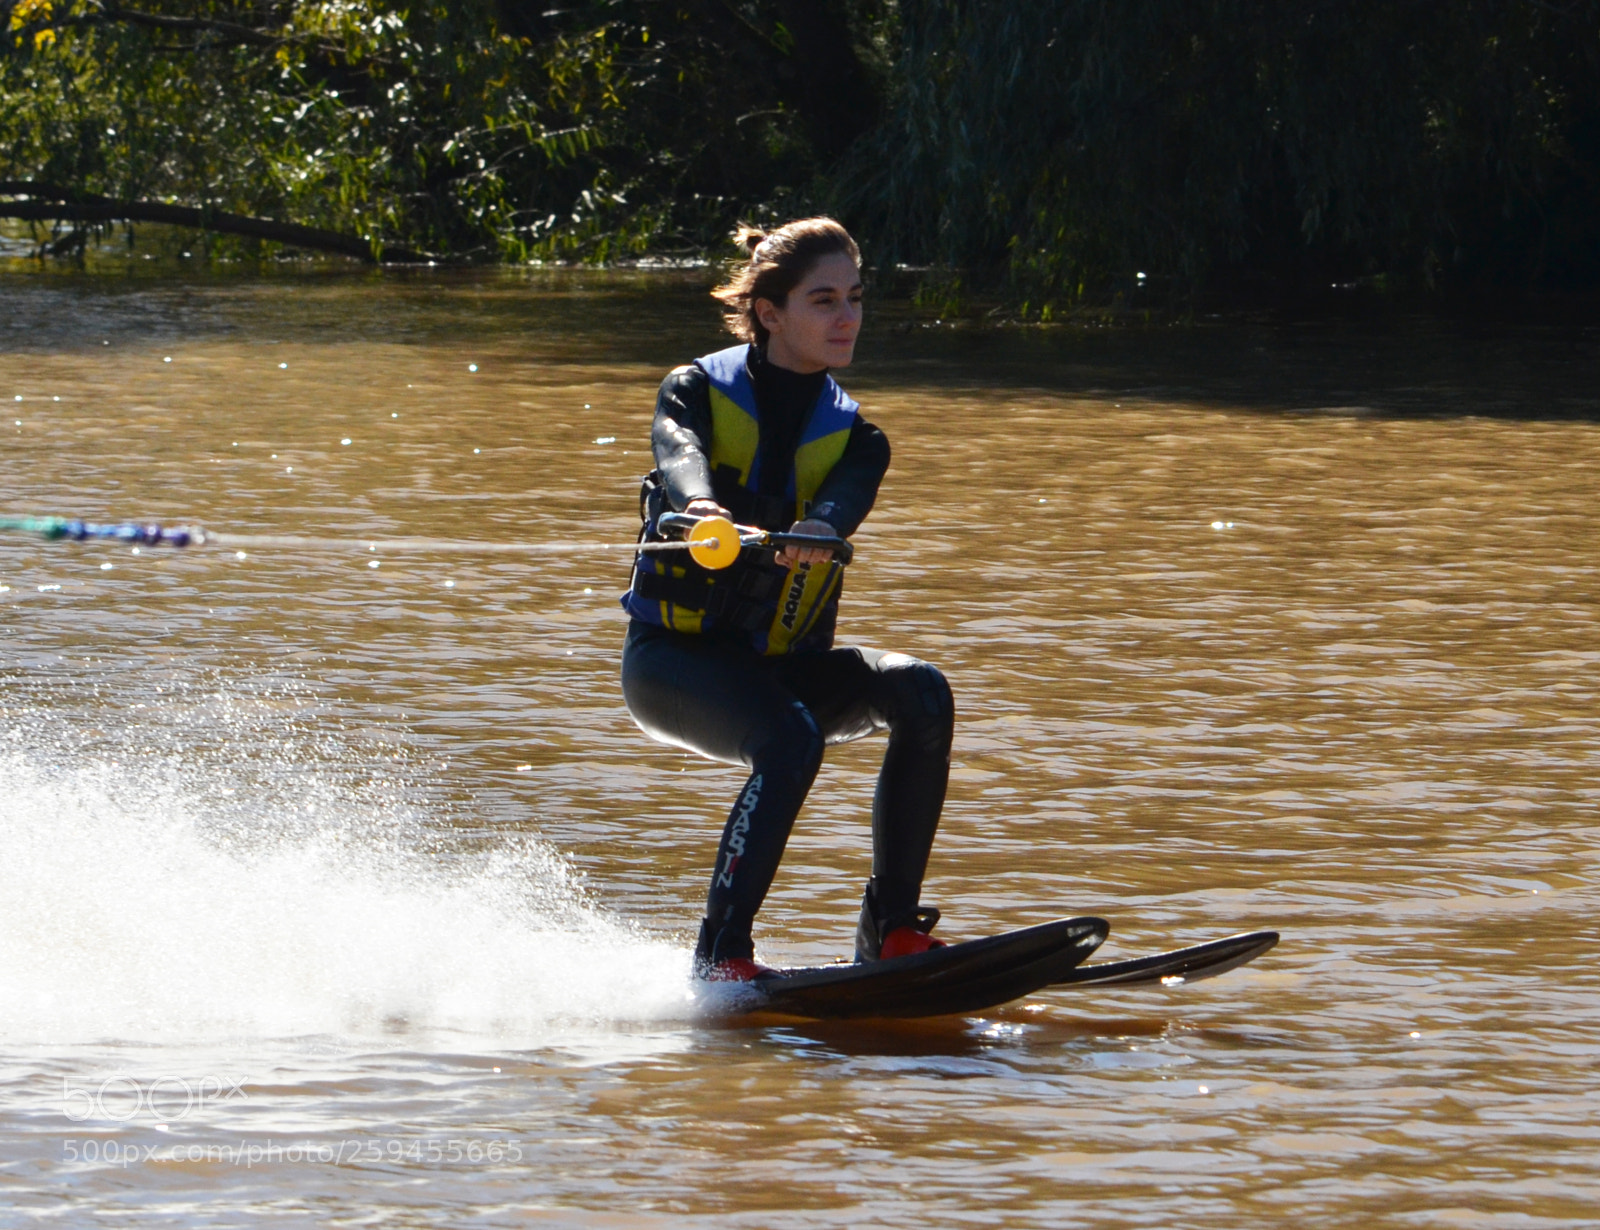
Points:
x=738 y=664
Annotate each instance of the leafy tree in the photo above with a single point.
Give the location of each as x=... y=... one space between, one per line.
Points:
x=353 y=116
x=1054 y=147
x=1069 y=144
x=472 y=128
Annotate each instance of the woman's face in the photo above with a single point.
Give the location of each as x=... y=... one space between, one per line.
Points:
x=817 y=327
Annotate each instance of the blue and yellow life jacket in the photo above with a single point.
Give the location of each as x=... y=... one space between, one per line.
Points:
x=778 y=609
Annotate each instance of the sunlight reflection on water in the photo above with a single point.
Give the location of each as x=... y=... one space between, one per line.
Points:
x=382 y=846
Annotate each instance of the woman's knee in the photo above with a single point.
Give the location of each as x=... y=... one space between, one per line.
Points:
x=918 y=701
x=788 y=749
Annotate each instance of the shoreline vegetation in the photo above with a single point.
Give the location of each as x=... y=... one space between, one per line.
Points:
x=1036 y=159
x=904 y=297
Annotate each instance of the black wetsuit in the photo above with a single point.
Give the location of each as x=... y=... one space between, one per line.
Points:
x=712 y=693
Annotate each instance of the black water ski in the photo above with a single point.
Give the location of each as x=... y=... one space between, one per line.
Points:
x=1181 y=965
x=963 y=977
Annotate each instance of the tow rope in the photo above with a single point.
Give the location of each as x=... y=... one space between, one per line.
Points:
x=712 y=542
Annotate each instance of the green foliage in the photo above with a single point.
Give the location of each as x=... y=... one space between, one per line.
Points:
x=476 y=128
x=430 y=127
x=220 y=109
x=1053 y=148
x=1068 y=145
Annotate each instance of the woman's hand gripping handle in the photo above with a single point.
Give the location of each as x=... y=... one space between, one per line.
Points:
x=806 y=542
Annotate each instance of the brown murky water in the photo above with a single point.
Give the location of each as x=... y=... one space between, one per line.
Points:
x=339 y=888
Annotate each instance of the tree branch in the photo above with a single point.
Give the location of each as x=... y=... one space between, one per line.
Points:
x=50 y=204
x=160 y=21
x=229 y=33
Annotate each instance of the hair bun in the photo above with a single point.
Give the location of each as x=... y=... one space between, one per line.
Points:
x=749 y=238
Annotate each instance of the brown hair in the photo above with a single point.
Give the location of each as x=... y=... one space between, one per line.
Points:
x=774 y=264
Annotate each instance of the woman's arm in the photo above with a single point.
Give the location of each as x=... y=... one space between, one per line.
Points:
x=680 y=438
x=851 y=488
x=846 y=495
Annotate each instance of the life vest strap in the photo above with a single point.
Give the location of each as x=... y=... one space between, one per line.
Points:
x=746 y=603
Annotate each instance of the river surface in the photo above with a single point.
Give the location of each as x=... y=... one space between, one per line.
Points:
x=339 y=888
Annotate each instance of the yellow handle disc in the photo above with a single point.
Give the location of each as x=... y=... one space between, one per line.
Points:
x=714 y=543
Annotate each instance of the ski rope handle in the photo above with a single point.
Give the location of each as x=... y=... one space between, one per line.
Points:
x=704 y=530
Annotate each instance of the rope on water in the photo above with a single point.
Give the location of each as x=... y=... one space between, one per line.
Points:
x=133 y=533
x=448 y=545
x=74 y=530
x=714 y=542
